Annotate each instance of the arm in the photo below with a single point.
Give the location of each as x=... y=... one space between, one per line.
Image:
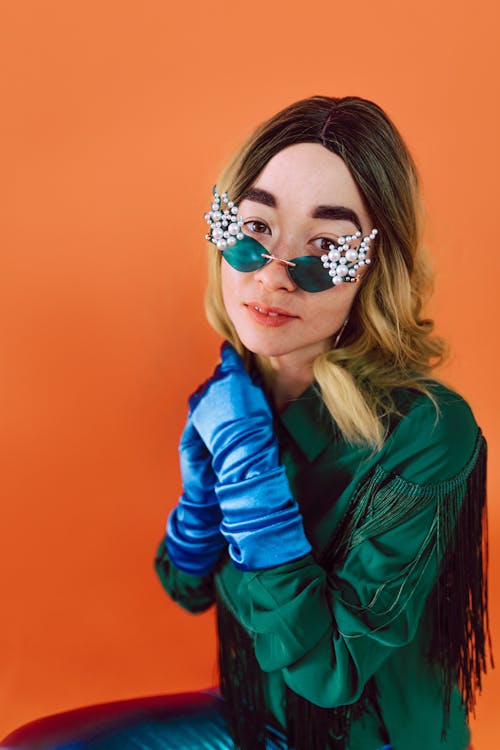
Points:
x=330 y=630
x=229 y=454
x=195 y=593
x=193 y=543
x=261 y=520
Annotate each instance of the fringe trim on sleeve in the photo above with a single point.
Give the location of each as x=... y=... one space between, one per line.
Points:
x=459 y=538
x=461 y=638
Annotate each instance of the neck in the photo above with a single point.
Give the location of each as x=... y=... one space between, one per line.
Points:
x=291 y=376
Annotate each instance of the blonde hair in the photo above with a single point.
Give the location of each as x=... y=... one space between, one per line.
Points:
x=387 y=344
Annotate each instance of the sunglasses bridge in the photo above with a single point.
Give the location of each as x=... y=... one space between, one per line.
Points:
x=284 y=262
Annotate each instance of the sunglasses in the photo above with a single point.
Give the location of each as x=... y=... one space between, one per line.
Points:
x=310 y=273
x=342 y=263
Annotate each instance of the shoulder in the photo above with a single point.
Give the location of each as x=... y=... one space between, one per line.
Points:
x=435 y=439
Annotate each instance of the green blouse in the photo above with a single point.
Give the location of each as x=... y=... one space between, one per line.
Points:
x=325 y=633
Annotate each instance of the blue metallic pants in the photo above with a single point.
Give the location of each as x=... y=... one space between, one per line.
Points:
x=202 y=728
x=187 y=721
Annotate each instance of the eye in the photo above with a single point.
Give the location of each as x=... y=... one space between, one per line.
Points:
x=257 y=227
x=322 y=244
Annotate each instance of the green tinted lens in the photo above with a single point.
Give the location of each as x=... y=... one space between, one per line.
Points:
x=246 y=255
x=310 y=274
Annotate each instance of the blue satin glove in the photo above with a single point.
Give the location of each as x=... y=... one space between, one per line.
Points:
x=261 y=520
x=194 y=542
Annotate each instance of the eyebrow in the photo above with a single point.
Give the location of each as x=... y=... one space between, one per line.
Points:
x=333 y=213
x=260 y=196
x=337 y=212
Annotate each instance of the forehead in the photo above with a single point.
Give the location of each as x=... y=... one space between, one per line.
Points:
x=308 y=175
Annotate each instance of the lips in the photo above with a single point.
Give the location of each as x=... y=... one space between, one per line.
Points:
x=273 y=312
x=271 y=317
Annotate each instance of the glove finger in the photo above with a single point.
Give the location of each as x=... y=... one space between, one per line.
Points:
x=198 y=394
x=230 y=362
x=230 y=359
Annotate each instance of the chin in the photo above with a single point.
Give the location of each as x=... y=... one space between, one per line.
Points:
x=258 y=345
x=265 y=350
x=267 y=347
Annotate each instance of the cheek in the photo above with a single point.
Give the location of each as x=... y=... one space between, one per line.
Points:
x=230 y=281
x=330 y=312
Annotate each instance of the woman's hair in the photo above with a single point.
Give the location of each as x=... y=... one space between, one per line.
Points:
x=386 y=343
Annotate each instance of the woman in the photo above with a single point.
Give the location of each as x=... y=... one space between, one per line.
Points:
x=334 y=493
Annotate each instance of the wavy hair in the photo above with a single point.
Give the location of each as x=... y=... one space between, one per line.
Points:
x=387 y=343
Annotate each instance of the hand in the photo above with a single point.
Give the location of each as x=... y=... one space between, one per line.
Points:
x=228 y=409
x=261 y=520
x=194 y=542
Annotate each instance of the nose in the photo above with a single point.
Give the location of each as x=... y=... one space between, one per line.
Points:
x=274 y=275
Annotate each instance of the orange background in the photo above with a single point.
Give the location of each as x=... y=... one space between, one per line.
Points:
x=116 y=118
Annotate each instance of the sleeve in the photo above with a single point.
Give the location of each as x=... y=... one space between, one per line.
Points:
x=329 y=629
x=193 y=593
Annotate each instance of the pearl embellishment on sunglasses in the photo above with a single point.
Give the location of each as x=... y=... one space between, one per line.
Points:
x=225 y=226
x=344 y=260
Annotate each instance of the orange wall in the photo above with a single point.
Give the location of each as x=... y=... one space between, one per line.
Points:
x=116 y=117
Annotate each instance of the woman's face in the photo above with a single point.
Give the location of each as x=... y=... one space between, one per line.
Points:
x=303 y=198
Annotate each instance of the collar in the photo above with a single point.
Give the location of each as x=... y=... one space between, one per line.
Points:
x=308 y=423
